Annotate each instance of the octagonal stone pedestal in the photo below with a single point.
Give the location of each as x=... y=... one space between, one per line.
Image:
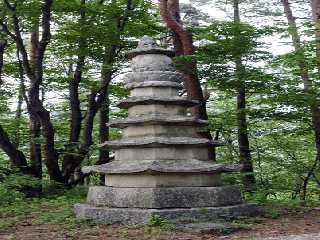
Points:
x=162 y=166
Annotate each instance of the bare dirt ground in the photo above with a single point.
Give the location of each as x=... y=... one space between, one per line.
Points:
x=287 y=221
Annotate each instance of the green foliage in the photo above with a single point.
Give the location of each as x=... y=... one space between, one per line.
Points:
x=13 y=188
x=51 y=208
x=272 y=213
x=158 y=221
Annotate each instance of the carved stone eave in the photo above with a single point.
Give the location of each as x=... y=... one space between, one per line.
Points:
x=162 y=166
x=158 y=119
x=151 y=142
x=133 y=85
x=156 y=50
x=133 y=101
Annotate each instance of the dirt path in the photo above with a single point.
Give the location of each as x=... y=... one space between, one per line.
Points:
x=290 y=222
x=296 y=237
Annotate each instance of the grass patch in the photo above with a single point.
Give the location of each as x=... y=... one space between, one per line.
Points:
x=48 y=209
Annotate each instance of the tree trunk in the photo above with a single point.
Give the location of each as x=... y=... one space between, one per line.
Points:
x=3 y=44
x=37 y=108
x=34 y=125
x=104 y=120
x=248 y=178
x=106 y=76
x=315 y=4
x=302 y=64
x=74 y=101
x=183 y=43
x=17 y=118
x=17 y=158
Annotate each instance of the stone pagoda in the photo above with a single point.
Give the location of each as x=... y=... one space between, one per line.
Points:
x=161 y=166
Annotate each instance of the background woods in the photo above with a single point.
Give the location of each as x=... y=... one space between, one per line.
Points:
x=254 y=67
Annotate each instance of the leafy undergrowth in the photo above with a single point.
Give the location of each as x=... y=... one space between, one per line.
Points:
x=50 y=208
x=52 y=217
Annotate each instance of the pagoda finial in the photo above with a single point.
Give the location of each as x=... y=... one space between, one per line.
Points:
x=147 y=45
x=147 y=42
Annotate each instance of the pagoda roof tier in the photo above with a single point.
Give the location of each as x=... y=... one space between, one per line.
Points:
x=159 y=119
x=155 y=50
x=150 y=142
x=162 y=166
x=132 y=101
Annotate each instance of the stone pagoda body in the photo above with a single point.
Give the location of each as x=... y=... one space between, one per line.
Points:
x=161 y=165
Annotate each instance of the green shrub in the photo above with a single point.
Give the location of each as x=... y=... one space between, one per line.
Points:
x=15 y=187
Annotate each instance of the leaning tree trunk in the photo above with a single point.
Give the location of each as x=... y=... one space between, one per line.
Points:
x=183 y=43
x=303 y=66
x=248 y=178
x=17 y=158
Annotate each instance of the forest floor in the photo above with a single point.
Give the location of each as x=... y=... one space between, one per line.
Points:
x=52 y=218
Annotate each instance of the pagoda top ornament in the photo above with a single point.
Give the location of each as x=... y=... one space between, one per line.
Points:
x=147 y=45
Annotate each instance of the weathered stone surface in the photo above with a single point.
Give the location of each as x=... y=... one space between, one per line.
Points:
x=157 y=119
x=143 y=216
x=143 y=180
x=162 y=166
x=161 y=131
x=162 y=153
x=154 y=76
x=132 y=101
x=133 y=85
x=159 y=142
x=169 y=110
x=147 y=45
x=152 y=62
x=155 y=92
x=164 y=197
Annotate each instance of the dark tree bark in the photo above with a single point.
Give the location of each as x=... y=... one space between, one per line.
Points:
x=37 y=108
x=303 y=66
x=3 y=44
x=35 y=125
x=315 y=108
x=315 y=6
x=174 y=8
x=183 y=43
x=248 y=178
x=17 y=158
x=97 y=100
x=76 y=116
x=106 y=75
x=17 y=118
x=74 y=101
x=35 y=74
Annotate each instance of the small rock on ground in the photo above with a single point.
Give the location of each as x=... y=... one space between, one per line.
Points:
x=295 y=237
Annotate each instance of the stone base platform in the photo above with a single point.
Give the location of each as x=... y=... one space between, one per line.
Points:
x=164 y=197
x=143 y=216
